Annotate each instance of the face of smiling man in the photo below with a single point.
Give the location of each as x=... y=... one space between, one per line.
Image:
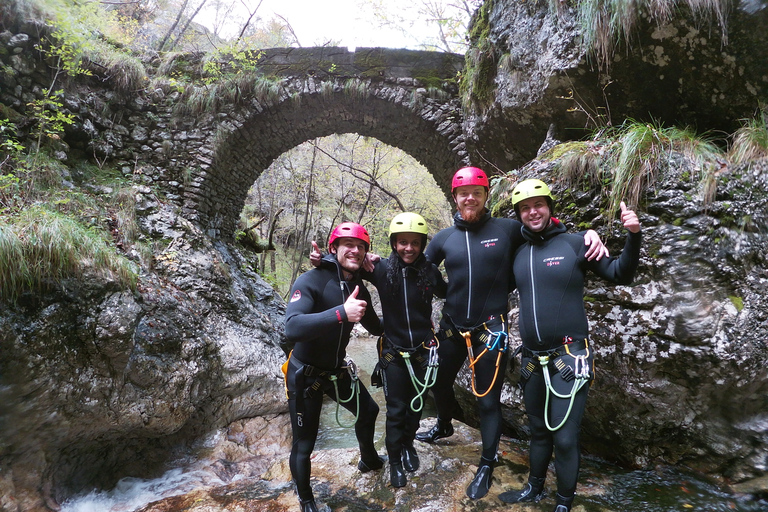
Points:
x=534 y=213
x=350 y=253
x=470 y=201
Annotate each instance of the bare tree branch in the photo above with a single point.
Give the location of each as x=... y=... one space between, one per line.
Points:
x=364 y=176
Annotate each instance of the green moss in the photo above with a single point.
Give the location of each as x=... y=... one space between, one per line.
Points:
x=503 y=206
x=557 y=152
x=738 y=302
x=476 y=86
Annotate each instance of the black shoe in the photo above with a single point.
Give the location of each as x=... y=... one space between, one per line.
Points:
x=439 y=431
x=563 y=504
x=372 y=465
x=481 y=484
x=531 y=493
x=397 y=475
x=410 y=459
x=308 y=505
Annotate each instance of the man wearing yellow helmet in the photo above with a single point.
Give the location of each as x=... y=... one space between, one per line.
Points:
x=557 y=360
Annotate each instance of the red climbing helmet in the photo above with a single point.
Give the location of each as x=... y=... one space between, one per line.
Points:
x=469 y=176
x=352 y=230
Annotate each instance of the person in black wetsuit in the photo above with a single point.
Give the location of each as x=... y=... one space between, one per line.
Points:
x=478 y=252
x=406 y=282
x=325 y=303
x=557 y=360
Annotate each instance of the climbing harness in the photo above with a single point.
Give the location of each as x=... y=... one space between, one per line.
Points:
x=493 y=340
x=351 y=368
x=321 y=377
x=580 y=374
x=409 y=356
x=430 y=377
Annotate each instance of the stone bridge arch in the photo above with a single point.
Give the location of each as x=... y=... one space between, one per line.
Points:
x=389 y=101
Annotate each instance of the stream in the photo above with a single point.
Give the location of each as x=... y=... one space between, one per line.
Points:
x=610 y=488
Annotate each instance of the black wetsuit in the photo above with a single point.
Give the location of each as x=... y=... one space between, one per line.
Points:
x=317 y=323
x=549 y=271
x=406 y=305
x=478 y=264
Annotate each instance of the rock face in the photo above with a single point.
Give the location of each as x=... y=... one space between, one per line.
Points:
x=537 y=72
x=98 y=383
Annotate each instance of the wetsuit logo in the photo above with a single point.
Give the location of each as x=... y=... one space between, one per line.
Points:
x=550 y=262
x=296 y=296
x=491 y=242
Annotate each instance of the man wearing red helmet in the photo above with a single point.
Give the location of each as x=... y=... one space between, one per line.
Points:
x=478 y=251
x=325 y=304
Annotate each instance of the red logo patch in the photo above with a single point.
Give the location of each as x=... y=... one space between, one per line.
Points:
x=296 y=296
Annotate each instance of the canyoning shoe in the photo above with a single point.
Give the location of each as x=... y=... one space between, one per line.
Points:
x=371 y=465
x=410 y=459
x=563 y=504
x=531 y=493
x=308 y=505
x=397 y=475
x=481 y=484
x=439 y=431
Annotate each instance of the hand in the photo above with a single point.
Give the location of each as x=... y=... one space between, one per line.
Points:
x=596 y=247
x=354 y=308
x=315 y=256
x=629 y=218
x=370 y=261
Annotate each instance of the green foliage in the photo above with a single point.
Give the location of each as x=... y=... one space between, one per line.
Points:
x=40 y=248
x=230 y=61
x=50 y=119
x=750 y=142
x=738 y=302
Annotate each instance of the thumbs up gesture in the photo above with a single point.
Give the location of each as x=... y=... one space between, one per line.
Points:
x=315 y=256
x=629 y=218
x=354 y=308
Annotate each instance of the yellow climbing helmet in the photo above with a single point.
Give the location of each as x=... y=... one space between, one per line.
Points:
x=530 y=188
x=408 y=222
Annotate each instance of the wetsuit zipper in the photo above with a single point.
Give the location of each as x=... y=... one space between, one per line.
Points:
x=342 y=284
x=407 y=310
x=469 y=264
x=533 y=293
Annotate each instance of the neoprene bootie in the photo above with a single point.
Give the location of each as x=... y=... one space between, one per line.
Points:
x=532 y=492
x=308 y=505
x=439 y=431
x=397 y=475
x=370 y=465
x=410 y=459
x=481 y=484
x=563 y=504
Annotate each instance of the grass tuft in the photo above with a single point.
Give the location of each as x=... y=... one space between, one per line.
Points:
x=40 y=248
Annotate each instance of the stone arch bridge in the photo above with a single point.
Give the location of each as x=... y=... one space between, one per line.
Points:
x=207 y=162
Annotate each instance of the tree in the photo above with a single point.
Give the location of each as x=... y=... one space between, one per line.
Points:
x=439 y=25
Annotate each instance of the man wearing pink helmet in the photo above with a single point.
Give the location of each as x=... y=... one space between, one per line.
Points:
x=325 y=304
x=478 y=251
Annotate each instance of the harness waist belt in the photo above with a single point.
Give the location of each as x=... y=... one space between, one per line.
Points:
x=559 y=351
x=313 y=371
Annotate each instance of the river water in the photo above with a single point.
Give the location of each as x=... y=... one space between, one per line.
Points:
x=611 y=488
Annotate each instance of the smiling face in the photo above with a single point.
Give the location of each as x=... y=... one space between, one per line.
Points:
x=349 y=252
x=408 y=246
x=534 y=213
x=470 y=201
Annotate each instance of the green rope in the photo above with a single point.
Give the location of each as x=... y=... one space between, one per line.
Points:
x=355 y=393
x=579 y=381
x=430 y=377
